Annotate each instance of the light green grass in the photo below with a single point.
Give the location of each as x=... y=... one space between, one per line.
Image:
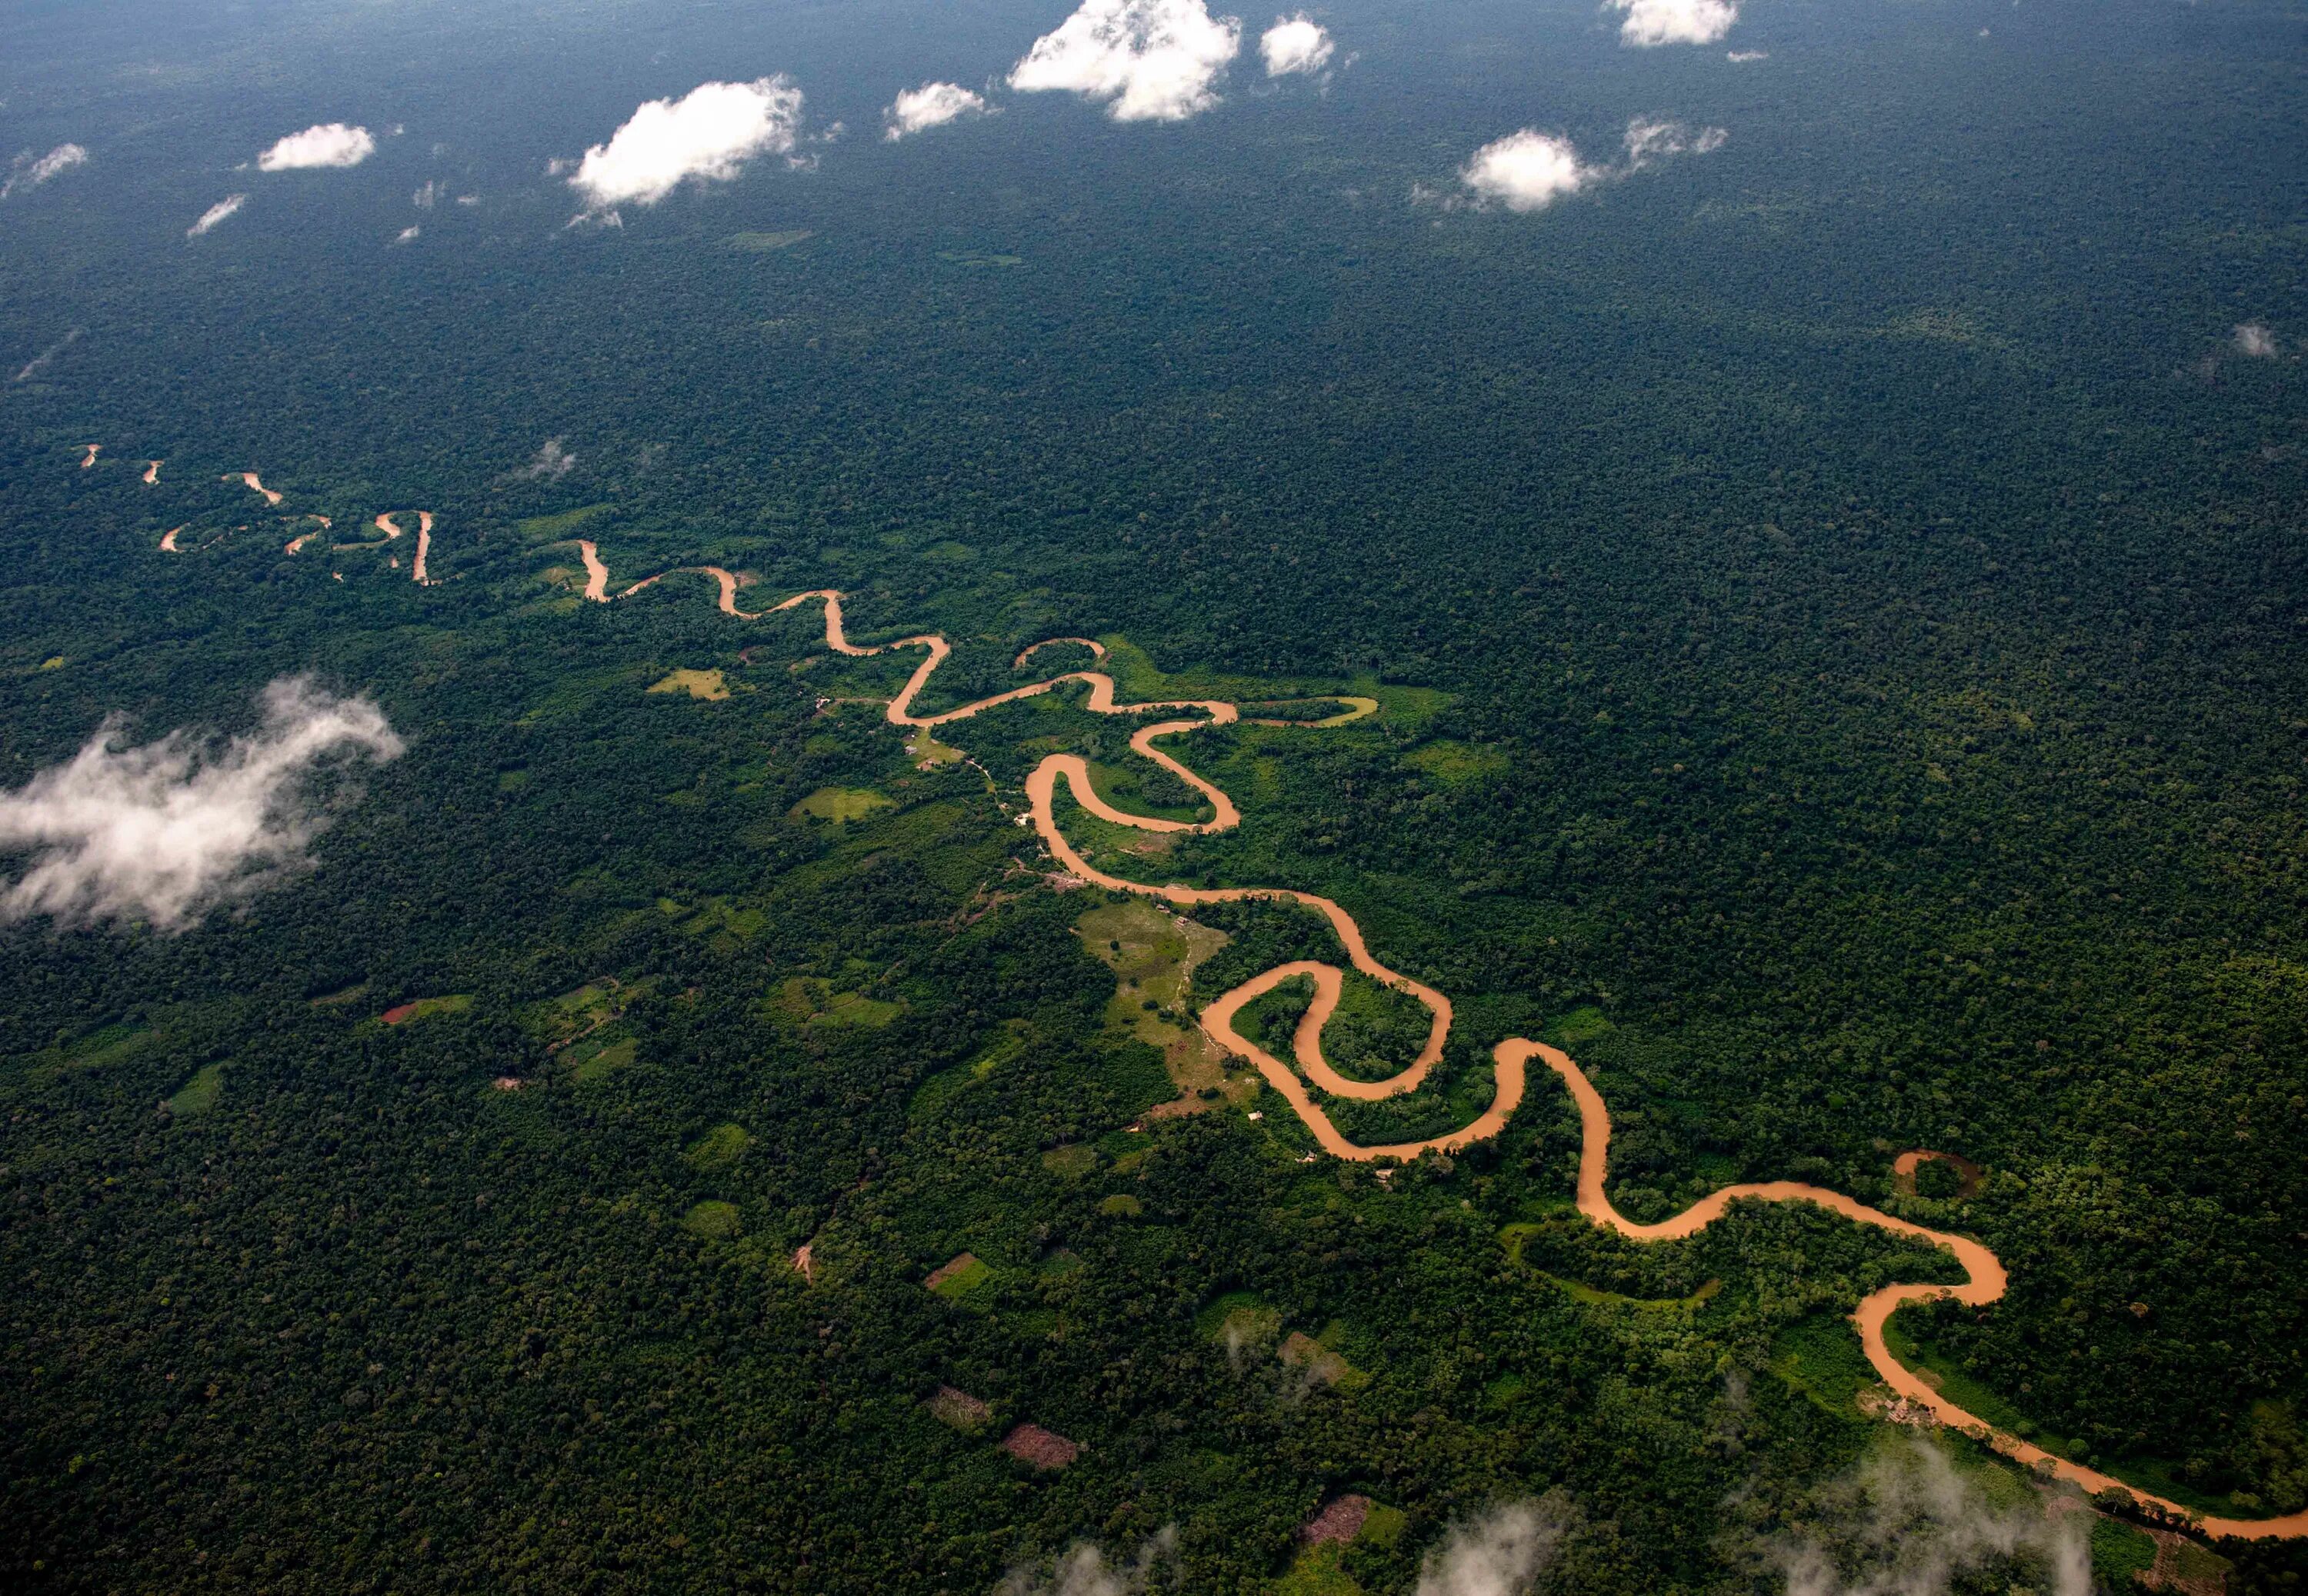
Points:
x=841 y=805
x=698 y=684
x=427 y=1007
x=595 y=1059
x=1456 y=764
x=199 y=1094
x=716 y=1221
x=718 y=1148
x=553 y=529
x=974 y=1273
x=1072 y=1163
x=763 y=243
x=1122 y=1205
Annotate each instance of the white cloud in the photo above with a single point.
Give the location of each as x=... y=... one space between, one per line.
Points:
x=932 y=105
x=322 y=144
x=708 y=134
x=1648 y=140
x=1744 y=56
x=1529 y=170
x=407 y=235
x=1148 y=60
x=426 y=198
x=1673 y=22
x=1907 y=1525
x=1525 y=170
x=39 y=362
x=28 y=173
x=2254 y=339
x=1502 y=1553
x=164 y=832
x=1083 y=1571
x=215 y=214
x=1295 y=44
x=550 y=461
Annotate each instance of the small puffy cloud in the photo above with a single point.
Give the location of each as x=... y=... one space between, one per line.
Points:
x=1525 y=170
x=28 y=173
x=407 y=235
x=426 y=198
x=1649 y=22
x=1502 y=1553
x=932 y=105
x=215 y=214
x=164 y=832
x=1148 y=60
x=323 y=144
x=1742 y=56
x=1295 y=44
x=708 y=134
x=1529 y=170
x=2256 y=341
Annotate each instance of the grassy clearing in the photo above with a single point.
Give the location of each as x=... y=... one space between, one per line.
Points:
x=716 y=1221
x=2121 y=1553
x=199 y=1094
x=924 y=748
x=978 y=257
x=814 y=1002
x=1457 y=764
x=1122 y=1205
x=961 y=1277
x=1071 y=1162
x=427 y=1007
x=597 y=1057
x=1153 y=954
x=1582 y=1023
x=718 y=1148
x=1820 y=1357
x=1242 y=1318
x=764 y=244
x=842 y=805
x=1322 y=1362
x=553 y=529
x=707 y=685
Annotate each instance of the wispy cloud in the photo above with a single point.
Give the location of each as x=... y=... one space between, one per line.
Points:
x=1146 y=60
x=932 y=105
x=708 y=134
x=1745 y=56
x=1083 y=1571
x=215 y=214
x=25 y=172
x=551 y=462
x=322 y=144
x=1529 y=170
x=1649 y=22
x=2255 y=340
x=1501 y=1553
x=39 y=363
x=408 y=235
x=1295 y=44
x=1907 y=1525
x=164 y=832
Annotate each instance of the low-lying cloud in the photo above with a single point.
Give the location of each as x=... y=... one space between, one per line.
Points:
x=1529 y=170
x=1525 y=170
x=39 y=363
x=164 y=832
x=1146 y=60
x=550 y=463
x=1502 y=1553
x=216 y=213
x=708 y=135
x=1295 y=44
x=932 y=105
x=1083 y=1571
x=1907 y=1525
x=2256 y=341
x=322 y=144
x=25 y=172
x=1651 y=22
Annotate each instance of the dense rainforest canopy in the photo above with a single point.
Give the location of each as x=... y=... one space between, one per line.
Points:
x=1837 y=613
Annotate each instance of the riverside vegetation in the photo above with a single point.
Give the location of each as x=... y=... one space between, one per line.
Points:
x=1835 y=688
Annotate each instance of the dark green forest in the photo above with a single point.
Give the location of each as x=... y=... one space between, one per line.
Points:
x=1839 y=611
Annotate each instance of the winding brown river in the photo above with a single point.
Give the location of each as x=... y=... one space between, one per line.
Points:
x=1510 y=1060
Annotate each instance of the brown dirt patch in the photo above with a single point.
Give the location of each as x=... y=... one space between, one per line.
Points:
x=947 y=1271
x=1341 y=1521
x=1045 y=1449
